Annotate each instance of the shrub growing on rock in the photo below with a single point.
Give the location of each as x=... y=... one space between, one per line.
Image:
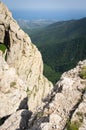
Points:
x=2 y=48
x=82 y=73
x=73 y=125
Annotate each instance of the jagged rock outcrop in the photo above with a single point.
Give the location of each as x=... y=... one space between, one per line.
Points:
x=65 y=108
x=21 y=75
x=18 y=121
x=80 y=114
x=12 y=89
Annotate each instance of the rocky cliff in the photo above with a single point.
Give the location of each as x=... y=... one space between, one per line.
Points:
x=65 y=107
x=22 y=84
x=28 y=100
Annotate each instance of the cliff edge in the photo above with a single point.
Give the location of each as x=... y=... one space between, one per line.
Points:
x=21 y=68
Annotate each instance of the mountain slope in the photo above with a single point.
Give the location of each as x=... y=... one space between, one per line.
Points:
x=60 y=31
x=62 y=44
x=31 y=24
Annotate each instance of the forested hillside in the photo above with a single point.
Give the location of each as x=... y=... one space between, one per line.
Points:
x=62 y=45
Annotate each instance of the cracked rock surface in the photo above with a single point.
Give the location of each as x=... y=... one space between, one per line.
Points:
x=21 y=75
x=67 y=103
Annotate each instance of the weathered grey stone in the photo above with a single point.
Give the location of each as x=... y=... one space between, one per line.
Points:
x=13 y=26
x=17 y=121
x=23 y=69
x=79 y=115
x=2 y=33
x=12 y=89
x=66 y=100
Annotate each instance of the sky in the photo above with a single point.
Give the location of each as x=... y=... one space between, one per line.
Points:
x=47 y=9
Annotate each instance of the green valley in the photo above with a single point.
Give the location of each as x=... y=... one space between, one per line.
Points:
x=62 y=45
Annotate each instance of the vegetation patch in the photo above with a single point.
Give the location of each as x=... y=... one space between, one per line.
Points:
x=29 y=92
x=51 y=74
x=40 y=114
x=73 y=125
x=62 y=46
x=12 y=84
x=79 y=114
x=82 y=73
x=3 y=48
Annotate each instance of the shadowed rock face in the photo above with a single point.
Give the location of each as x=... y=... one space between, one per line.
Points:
x=18 y=121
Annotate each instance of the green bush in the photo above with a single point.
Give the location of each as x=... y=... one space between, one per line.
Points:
x=73 y=125
x=12 y=84
x=82 y=73
x=2 y=48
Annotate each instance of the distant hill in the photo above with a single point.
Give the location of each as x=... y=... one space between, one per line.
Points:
x=62 y=44
x=34 y=24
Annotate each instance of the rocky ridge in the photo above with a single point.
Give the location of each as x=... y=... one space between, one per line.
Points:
x=65 y=107
x=23 y=86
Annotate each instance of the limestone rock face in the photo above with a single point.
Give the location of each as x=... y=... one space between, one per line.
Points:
x=80 y=113
x=12 y=89
x=21 y=75
x=66 y=105
x=18 y=121
x=69 y=101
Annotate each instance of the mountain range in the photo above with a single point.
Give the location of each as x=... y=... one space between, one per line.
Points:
x=34 y=24
x=62 y=45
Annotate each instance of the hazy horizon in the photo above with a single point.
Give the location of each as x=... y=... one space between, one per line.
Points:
x=49 y=15
x=47 y=9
